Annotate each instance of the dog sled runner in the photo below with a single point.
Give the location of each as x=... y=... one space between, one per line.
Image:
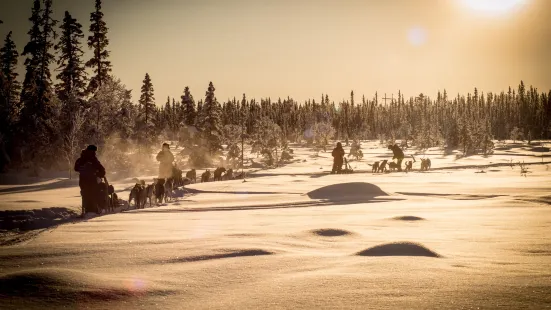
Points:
x=107 y=198
x=347 y=168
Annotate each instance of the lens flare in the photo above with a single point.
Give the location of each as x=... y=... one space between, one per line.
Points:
x=308 y=133
x=494 y=6
x=417 y=36
x=135 y=285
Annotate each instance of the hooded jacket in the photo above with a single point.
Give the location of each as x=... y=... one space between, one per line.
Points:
x=397 y=152
x=89 y=168
x=165 y=158
x=338 y=152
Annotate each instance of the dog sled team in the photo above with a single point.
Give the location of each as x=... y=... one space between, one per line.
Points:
x=385 y=165
x=378 y=166
x=170 y=178
x=98 y=196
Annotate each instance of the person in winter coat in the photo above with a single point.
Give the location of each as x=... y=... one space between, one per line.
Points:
x=338 y=155
x=165 y=159
x=398 y=154
x=89 y=169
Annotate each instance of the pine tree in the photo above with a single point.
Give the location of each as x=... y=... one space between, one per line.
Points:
x=127 y=113
x=200 y=112
x=32 y=51
x=176 y=116
x=37 y=122
x=9 y=86
x=147 y=111
x=9 y=91
x=46 y=44
x=167 y=115
x=71 y=86
x=72 y=76
x=210 y=123
x=98 y=43
x=188 y=107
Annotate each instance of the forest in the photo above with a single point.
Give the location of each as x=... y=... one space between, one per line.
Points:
x=45 y=122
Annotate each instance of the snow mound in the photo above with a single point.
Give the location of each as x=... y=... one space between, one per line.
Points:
x=329 y=232
x=399 y=249
x=358 y=190
x=71 y=285
x=408 y=218
x=225 y=254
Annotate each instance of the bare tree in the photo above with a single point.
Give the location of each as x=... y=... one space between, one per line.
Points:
x=72 y=139
x=323 y=131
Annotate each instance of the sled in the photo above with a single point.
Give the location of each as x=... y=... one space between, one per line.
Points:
x=107 y=198
x=347 y=169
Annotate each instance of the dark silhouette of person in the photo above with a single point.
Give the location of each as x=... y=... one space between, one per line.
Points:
x=165 y=159
x=338 y=155
x=89 y=169
x=398 y=154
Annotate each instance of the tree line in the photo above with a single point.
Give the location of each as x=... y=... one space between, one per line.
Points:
x=41 y=122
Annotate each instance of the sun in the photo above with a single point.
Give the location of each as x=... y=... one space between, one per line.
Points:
x=494 y=6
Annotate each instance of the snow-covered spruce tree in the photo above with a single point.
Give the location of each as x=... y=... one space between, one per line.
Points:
x=423 y=139
x=486 y=145
x=268 y=135
x=72 y=76
x=37 y=127
x=188 y=119
x=243 y=114
x=145 y=130
x=9 y=98
x=10 y=86
x=32 y=51
x=188 y=108
x=200 y=114
x=323 y=132
x=232 y=138
x=209 y=137
x=125 y=122
x=516 y=134
x=71 y=87
x=164 y=121
x=356 y=150
x=98 y=42
x=231 y=134
x=466 y=142
x=160 y=124
x=99 y=62
x=210 y=123
x=176 y=117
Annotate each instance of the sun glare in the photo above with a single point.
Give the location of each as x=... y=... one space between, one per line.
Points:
x=494 y=6
x=417 y=36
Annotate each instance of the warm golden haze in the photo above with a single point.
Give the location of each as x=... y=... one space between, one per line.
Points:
x=362 y=154
x=305 y=48
x=494 y=6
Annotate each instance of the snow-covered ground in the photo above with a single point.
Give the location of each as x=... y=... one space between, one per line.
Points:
x=298 y=237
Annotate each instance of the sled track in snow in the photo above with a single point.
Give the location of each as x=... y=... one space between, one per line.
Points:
x=290 y=205
x=362 y=171
x=488 y=166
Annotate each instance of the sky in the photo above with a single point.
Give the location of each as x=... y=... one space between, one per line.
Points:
x=306 y=48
